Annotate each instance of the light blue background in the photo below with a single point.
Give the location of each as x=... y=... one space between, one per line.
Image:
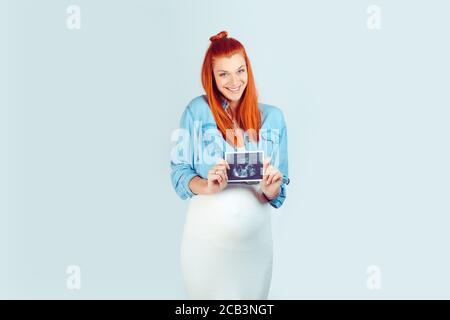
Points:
x=87 y=115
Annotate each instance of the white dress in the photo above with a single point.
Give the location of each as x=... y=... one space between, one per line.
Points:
x=226 y=251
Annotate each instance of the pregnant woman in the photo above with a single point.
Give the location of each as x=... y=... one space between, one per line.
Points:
x=226 y=250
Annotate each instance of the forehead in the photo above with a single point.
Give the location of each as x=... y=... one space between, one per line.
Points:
x=229 y=63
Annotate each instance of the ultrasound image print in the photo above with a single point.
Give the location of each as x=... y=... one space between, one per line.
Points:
x=245 y=166
x=244 y=170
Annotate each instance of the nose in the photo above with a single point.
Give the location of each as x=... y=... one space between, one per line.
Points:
x=234 y=80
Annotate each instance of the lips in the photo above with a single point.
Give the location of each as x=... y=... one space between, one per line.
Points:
x=234 y=90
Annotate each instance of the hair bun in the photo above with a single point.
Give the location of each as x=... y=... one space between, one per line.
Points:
x=220 y=35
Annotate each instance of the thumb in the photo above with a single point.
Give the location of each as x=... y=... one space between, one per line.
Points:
x=266 y=163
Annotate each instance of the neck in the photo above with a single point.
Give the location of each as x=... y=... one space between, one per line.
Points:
x=233 y=105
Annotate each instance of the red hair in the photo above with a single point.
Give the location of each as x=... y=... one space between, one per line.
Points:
x=248 y=116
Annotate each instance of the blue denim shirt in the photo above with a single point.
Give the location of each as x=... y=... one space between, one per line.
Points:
x=199 y=144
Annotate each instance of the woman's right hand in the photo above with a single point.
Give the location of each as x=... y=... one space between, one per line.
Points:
x=217 y=177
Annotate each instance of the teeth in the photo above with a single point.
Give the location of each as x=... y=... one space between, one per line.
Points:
x=235 y=89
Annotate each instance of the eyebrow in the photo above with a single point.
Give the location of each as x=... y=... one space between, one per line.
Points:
x=227 y=71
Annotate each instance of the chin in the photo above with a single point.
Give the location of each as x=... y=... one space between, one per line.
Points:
x=234 y=99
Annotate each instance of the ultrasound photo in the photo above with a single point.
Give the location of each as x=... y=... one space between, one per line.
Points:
x=245 y=166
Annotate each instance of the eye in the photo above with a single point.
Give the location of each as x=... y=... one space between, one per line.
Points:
x=222 y=74
x=241 y=71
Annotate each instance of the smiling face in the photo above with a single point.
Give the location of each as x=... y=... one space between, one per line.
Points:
x=230 y=74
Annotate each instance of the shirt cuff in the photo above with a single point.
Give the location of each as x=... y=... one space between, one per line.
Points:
x=278 y=201
x=185 y=183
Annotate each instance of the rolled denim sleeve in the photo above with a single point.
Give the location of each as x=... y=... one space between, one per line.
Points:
x=182 y=157
x=283 y=167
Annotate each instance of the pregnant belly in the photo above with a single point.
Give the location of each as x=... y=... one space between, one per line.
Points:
x=237 y=215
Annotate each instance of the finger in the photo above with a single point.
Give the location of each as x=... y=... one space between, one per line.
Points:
x=266 y=163
x=274 y=176
x=224 y=177
x=223 y=162
x=266 y=175
x=272 y=173
x=212 y=176
x=269 y=178
x=221 y=173
x=220 y=167
x=278 y=177
x=268 y=170
x=220 y=170
x=263 y=180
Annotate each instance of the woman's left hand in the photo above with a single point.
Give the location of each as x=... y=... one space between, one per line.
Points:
x=271 y=182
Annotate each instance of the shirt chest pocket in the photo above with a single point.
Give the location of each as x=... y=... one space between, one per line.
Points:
x=210 y=146
x=270 y=143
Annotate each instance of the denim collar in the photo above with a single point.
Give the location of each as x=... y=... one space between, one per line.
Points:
x=225 y=103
